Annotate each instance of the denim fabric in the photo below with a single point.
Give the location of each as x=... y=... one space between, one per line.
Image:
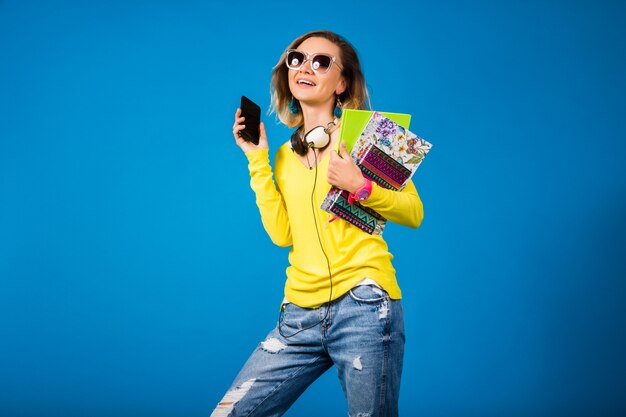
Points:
x=361 y=333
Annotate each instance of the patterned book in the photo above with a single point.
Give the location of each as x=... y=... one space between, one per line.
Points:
x=388 y=155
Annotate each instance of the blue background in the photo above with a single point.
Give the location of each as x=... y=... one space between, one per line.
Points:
x=136 y=278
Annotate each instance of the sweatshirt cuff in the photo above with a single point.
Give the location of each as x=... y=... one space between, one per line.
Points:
x=257 y=158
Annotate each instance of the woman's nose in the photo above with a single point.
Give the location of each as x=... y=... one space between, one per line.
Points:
x=306 y=67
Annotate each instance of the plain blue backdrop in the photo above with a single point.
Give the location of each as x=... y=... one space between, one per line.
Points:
x=135 y=275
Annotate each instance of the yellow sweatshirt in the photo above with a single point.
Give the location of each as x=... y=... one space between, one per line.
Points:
x=291 y=219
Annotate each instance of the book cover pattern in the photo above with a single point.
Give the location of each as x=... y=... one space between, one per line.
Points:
x=388 y=155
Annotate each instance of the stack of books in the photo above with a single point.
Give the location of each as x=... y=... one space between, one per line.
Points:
x=387 y=153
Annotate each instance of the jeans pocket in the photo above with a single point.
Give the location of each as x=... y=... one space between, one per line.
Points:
x=367 y=294
x=297 y=317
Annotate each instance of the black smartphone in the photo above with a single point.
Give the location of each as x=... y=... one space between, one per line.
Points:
x=252 y=112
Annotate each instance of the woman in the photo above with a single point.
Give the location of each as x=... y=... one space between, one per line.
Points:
x=342 y=301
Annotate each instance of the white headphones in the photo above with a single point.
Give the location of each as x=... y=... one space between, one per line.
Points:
x=318 y=137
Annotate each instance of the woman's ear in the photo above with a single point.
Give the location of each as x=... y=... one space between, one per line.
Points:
x=341 y=86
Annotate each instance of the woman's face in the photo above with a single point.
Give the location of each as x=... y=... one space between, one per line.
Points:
x=315 y=88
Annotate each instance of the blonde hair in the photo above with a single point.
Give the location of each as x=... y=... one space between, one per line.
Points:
x=354 y=97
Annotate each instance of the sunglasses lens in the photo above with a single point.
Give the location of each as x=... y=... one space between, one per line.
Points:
x=321 y=63
x=295 y=59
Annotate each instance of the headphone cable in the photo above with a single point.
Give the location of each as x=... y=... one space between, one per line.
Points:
x=319 y=238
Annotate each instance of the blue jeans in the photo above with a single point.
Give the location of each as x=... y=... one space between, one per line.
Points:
x=362 y=333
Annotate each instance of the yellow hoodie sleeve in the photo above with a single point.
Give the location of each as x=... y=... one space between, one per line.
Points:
x=268 y=198
x=402 y=207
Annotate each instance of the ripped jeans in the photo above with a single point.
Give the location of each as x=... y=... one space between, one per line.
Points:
x=362 y=335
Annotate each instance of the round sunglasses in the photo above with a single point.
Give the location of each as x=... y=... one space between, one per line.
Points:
x=320 y=62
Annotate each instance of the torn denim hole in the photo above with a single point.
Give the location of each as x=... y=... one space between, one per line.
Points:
x=231 y=398
x=273 y=345
x=383 y=311
x=357 y=363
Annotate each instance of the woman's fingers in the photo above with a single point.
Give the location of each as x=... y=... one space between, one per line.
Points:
x=238 y=129
x=248 y=146
x=238 y=119
x=238 y=126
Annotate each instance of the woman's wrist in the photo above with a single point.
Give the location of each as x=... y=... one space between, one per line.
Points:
x=358 y=185
x=362 y=193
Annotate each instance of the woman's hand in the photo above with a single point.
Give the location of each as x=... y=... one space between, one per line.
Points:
x=244 y=145
x=343 y=171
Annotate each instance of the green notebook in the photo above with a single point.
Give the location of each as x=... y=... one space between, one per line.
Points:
x=354 y=121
